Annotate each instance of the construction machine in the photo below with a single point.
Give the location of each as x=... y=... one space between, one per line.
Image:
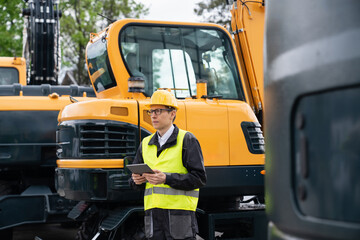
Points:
x=215 y=84
x=312 y=81
x=29 y=105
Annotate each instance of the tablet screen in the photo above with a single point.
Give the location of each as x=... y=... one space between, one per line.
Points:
x=139 y=168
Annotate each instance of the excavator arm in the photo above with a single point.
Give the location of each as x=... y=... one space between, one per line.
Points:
x=41 y=42
x=247 y=24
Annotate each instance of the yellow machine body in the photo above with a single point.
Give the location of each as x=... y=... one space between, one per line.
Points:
x=215 y=122
x=26 y=103
x=127 y=62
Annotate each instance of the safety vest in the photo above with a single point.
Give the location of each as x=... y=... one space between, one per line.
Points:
x=169 y=161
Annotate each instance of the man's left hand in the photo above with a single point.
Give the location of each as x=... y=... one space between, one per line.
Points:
x=158 y=177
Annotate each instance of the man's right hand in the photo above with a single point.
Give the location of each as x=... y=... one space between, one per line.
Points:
x=138 y=179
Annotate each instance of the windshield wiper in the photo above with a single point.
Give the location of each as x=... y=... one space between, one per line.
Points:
x=211 y=96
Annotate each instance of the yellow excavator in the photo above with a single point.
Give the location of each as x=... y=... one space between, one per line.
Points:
x=217 y=83
x=30 y=100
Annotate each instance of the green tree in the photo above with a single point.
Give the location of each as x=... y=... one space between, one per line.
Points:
x=80 y=18
x=215 y=11
x=11 y=27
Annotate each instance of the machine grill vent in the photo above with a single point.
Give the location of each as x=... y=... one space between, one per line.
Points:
x=107 y=141
x=254 y=137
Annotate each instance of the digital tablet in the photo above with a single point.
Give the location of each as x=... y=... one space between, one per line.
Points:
x=139 y=168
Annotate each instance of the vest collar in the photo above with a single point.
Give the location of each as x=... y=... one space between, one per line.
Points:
x=169 y=143
x=163 y=139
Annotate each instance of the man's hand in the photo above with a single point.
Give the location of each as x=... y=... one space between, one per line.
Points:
x=158 y=177
x=138 y=179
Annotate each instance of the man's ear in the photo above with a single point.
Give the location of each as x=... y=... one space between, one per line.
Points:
x=173 y=115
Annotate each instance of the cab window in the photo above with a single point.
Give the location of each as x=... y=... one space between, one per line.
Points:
x=171 y=64
x=175 y=57
x=8 y=75
x=99 y=67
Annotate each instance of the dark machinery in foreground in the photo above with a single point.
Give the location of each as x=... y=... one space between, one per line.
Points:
x=312 y=119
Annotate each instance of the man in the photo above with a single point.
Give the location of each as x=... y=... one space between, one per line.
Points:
x=172 y=192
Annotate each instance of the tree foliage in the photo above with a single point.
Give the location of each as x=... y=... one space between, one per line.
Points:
x=11 y=27
x=80 y=18
x=215 y=11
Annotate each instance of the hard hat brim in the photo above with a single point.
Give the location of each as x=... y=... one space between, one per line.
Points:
x=149 y=106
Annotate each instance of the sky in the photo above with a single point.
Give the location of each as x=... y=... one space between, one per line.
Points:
x=171 y=10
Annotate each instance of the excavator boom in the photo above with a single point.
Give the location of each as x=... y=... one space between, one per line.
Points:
x=247 y=25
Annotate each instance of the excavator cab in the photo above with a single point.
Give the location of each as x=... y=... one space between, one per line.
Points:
x=165 y=56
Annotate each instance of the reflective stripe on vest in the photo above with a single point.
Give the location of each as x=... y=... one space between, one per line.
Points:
x=170 y=191
x=169 y=161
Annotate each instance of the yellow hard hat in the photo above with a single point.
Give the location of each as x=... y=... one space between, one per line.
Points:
x=163 y=97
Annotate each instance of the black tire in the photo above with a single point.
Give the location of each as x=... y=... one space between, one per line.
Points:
x=5 y=189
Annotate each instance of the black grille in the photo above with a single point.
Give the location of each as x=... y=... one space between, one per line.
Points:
x=106 y=141
x=254 y=137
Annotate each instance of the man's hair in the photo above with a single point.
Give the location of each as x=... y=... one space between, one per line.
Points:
x=172 y=109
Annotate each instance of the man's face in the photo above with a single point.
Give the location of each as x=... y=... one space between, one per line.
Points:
x=162 y=121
